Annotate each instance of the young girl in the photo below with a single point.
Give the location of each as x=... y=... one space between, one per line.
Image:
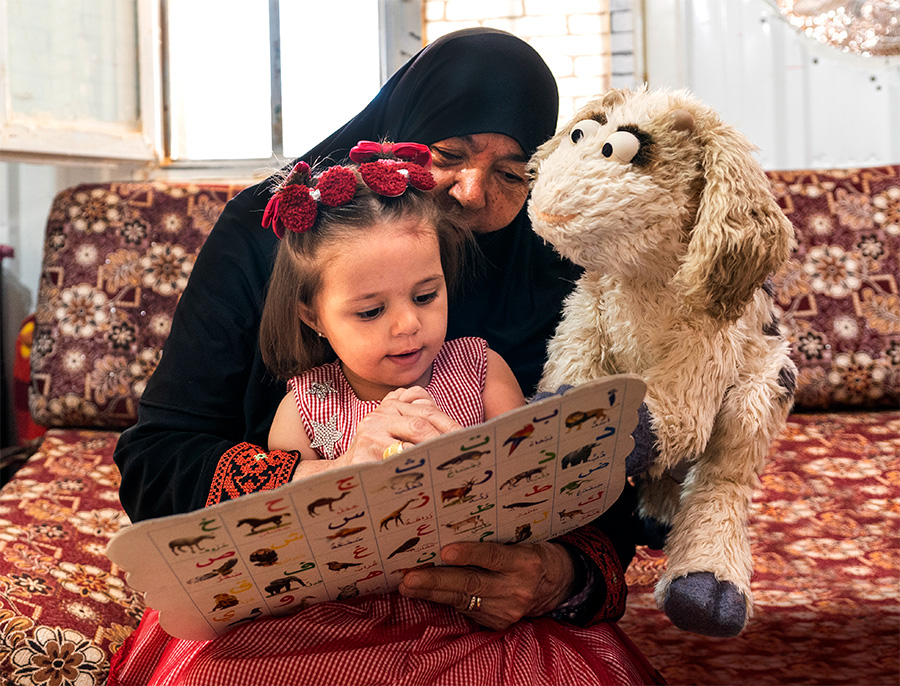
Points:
x=356 y=312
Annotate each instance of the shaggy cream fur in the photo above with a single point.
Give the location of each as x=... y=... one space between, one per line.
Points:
x=672 y=218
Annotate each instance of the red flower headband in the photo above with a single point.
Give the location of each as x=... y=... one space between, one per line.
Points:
x=390 y=177
x=294 y=204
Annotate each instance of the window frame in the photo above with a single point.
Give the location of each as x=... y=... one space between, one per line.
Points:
x=47 y=139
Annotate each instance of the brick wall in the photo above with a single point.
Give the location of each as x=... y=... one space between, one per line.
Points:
x=588 y=44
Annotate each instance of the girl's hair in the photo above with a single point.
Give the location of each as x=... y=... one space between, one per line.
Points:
x=289 y=347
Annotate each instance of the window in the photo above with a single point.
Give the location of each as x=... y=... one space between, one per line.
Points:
x=221 y=79
x=77 y=76
x=235 y=79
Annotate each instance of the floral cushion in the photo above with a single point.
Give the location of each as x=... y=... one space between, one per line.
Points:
x=838 y=293
x=64 y=607
x=826 y=572
x=116 y=259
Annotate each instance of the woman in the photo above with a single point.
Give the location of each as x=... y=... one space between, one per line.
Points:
x=483 y=101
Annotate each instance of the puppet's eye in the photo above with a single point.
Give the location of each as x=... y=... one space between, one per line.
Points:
x=621 y=146
x=584 y=129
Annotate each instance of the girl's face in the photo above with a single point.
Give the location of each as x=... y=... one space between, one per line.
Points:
x=383 y=306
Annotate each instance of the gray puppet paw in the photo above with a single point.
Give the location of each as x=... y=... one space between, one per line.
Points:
x=645 y=452
x=700 y=604
x=548 y=394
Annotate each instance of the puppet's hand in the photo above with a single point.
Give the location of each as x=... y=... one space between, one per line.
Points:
x=646 y=450
x=549 y=394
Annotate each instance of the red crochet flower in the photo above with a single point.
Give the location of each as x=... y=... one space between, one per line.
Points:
x=336 y=186
x=294 y=210
x=420 y=178
x=390 y=177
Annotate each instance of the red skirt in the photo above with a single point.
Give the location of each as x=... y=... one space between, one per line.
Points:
x=385 y=639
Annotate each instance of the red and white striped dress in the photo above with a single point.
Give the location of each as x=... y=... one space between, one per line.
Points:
x=330 y=410
x=385 y=639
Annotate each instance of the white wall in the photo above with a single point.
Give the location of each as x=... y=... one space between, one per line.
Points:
x=806 y=105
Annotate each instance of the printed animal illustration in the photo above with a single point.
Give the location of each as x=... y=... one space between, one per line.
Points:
x=577 y=457
x=527 y=475
x=673 y=220
x=572 y=486
x=564 y=514
x=341 y=566
x=224 y=601
x=576 y=419
x=518 y=437
x=467 y=524
x=322 y=502
x=470 y=456
x=254 y=523
x=396 y=515
x=178 y=545
x=513 y=506
x=347 y=531
x=264 y=557
x=403 y=482
x=282 y=585
x=523 y=532
x=406 y=545
x=222 y=570
x=458 y=494
x=348 y=591
x=407 y=570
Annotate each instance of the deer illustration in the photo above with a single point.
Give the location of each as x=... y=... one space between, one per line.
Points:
x=460 y=492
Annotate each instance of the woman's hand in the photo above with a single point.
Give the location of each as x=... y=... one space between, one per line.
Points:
x=409 y=415
x=513 y=581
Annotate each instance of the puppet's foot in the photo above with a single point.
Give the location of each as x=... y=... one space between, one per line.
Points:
x=699 y=603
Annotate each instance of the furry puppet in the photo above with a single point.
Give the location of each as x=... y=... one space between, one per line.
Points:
x=673 y=221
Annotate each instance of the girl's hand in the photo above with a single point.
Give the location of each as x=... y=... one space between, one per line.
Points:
x=409 y=415
x=513 y=581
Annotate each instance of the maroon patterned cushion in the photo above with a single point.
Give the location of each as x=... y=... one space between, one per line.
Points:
x=826 y=567
x=838 y=293
x=116 y=259
x=64 y=607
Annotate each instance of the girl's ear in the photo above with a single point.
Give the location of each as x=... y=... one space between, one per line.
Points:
x=307 y=316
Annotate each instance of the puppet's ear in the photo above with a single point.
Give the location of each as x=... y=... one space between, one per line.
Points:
x=740 y=235
x=613 y=98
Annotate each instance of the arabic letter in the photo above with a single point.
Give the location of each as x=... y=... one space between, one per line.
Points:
x=410 y=464
x=538 y=420
x=230 y=553
x=466 y=449
x=205 y=524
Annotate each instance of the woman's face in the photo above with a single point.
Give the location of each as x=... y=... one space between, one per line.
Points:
x=484 y=174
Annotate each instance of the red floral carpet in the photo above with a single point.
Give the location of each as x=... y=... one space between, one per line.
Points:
x=826 y=543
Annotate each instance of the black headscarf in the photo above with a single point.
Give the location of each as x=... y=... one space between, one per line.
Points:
x=469 y=82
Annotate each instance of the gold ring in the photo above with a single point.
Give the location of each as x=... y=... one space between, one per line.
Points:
x=392 y=449
x=474 y=604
